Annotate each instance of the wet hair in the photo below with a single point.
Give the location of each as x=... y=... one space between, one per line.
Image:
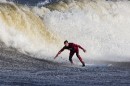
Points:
x=65 y=41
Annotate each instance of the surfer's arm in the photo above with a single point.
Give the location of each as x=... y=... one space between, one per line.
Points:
x=80 y=47
x=59 y=52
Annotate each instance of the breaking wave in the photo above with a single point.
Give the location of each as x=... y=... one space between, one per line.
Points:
x=102 y=27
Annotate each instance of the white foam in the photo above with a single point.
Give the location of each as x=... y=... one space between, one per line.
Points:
x=100 y=27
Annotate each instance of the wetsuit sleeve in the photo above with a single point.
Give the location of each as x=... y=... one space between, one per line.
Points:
x=80 y=47
x=61 y=50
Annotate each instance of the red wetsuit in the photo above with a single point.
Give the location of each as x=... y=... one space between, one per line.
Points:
x=73 y=49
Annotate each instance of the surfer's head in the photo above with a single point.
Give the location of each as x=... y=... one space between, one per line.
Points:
x=66 y=43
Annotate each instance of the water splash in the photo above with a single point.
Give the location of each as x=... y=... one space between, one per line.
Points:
x=102 y=27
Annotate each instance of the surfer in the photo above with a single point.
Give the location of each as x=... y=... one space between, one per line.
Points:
x=74 y=48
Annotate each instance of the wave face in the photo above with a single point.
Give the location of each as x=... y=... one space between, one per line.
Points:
x=23 y=30
x=102 y=27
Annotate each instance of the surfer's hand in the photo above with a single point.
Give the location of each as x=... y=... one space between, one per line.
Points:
x=55 y=57
x=84 y=50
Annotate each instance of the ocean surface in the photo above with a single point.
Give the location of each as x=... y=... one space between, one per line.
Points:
x=33 y=31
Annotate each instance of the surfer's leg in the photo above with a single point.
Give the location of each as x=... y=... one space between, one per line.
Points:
x=70 y=56
x=79 y=57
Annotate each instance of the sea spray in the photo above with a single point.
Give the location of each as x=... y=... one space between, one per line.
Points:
x=101 y=27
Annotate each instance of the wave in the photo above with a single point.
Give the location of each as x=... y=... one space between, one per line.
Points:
x=102 y=27
x=23 y=30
